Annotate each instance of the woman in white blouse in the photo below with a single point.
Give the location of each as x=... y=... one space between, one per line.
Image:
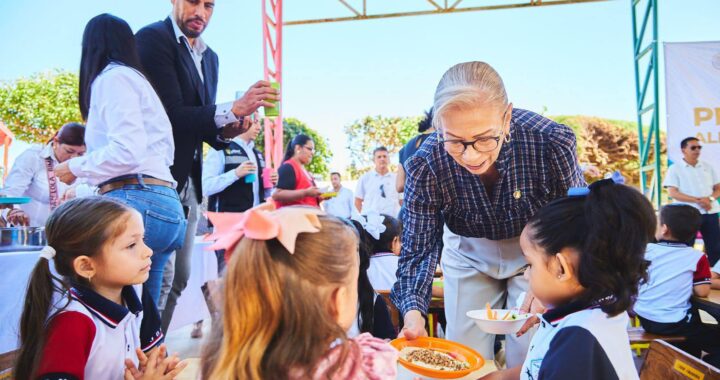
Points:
x=129 y=139
x=32 y=176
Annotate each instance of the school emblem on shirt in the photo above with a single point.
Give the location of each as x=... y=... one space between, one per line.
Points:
x=533 y=370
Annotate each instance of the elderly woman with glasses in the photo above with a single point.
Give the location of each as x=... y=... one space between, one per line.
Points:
x=469 y=191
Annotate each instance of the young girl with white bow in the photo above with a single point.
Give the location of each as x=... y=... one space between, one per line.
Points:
x=384 y=248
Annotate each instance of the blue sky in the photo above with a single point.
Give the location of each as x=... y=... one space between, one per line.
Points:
x=572 y=59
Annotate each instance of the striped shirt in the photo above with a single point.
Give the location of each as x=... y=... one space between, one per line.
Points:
x=538 y=165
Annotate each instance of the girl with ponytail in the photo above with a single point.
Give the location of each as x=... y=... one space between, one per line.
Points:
x=95 y=320
x=295 y=185
x=586 y=255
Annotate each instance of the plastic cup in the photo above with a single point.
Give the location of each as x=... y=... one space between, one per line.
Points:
x=250 y=178
x=273 y=111
x=267 y=182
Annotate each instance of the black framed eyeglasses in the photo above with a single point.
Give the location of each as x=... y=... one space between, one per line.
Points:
x=696 y=147
x=480 y=144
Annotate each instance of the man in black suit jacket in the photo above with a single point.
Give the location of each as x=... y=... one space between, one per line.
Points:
x=184 y=72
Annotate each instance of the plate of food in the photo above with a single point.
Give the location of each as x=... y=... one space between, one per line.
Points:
x=498 y=321
x=437 y=358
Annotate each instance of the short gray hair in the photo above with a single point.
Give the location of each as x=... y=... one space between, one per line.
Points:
x=467 y=85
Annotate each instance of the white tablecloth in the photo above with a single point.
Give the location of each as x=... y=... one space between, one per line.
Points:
x=191 y=306
x=17 y=266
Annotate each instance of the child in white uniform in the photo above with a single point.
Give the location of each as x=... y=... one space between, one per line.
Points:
x=97 y=321
x=586 y=256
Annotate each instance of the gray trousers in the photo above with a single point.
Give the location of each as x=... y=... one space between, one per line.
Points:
x=177 y=269
x=477 y=271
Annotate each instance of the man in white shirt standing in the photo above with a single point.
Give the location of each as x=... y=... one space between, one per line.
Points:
x=340 y=205
x=376 y=189
x=696 y=183
x=184 y=71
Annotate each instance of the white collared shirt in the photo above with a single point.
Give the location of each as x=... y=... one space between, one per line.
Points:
x=223 y=111
x=127 y=129
x=695 y=181
x=674 y=270
x=215 y=179
x=28 y=178
x=372 y=186
x=341 y=205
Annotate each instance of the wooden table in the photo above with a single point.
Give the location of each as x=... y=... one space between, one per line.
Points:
x=709 y=304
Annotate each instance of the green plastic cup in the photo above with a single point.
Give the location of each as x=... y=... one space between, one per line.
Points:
x=273 y=111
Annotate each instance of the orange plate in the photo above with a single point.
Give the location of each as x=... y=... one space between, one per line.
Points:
x=475 y=360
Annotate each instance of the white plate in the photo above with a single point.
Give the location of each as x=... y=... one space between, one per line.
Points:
x=498 y=327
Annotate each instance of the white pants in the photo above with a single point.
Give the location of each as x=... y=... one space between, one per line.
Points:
x=478 y=271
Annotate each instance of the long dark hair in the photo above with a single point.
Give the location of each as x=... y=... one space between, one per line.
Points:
x=366 y=293
x=393 y=229
x=71 y=134
x=298 y=140
x=79 y=227
x=610 y=228
x=106 y=39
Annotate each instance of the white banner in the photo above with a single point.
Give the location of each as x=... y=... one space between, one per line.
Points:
x=692 y=89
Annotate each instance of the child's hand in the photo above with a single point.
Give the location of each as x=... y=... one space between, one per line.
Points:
x=156 y=366
x=529 y=323
x=531 y=304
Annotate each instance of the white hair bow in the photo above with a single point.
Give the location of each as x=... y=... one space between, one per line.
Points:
x=372 y=223
x=47 y=253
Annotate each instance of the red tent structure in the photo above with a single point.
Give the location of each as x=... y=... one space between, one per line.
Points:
x=6 y=138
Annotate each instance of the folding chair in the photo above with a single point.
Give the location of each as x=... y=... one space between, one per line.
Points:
x=667 y=362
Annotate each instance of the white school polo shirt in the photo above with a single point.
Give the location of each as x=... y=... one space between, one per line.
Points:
x=674 y=269
x=382 y=271
x=580 y=344
x=91 y=338
x=695 y=181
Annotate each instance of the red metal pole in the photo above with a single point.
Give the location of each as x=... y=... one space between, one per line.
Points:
x=272 y=61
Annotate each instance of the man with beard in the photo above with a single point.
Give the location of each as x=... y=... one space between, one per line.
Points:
x=184 y=72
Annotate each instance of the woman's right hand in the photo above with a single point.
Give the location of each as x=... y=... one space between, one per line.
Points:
x=18 y=217
x=245 y=168
x=414 y=326
x=312 y=192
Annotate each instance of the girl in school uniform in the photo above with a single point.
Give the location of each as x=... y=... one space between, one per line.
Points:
x=290 y=295
x=586 y=261
x=385 y=231
x=90 y=322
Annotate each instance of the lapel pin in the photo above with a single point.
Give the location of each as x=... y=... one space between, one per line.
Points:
x=517 y=194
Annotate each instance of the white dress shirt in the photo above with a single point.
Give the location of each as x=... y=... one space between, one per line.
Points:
x=372 y=186
x=28 y=178
x=223 y=111
x=215 y=179
x=341 y=205
x=695 y=181
x=127 y=129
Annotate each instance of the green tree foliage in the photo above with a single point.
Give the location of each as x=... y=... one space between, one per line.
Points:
x=371 y=132
x=35 y=107
x=293 y=127
x=610 y=145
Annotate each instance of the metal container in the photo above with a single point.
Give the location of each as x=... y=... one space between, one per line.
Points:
x=22 y=239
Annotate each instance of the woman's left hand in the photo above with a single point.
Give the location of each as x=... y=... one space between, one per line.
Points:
x=63 y=173
x=274 y=177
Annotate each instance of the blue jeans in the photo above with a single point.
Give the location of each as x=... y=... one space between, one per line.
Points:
x=164 y=222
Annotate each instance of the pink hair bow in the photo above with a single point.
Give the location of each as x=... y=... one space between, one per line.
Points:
x=263 y=222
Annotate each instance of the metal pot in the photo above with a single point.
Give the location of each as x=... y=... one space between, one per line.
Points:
x=22 y=238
